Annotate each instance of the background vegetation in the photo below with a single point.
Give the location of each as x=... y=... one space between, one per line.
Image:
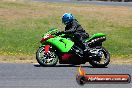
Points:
x=23 y=23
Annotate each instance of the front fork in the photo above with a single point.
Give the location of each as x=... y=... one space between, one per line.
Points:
x=46 y=49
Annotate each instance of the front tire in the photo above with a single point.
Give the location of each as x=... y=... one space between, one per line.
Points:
x=96 y=61
x=46 y=59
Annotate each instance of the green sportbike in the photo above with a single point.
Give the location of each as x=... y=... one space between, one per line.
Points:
x=62 y=48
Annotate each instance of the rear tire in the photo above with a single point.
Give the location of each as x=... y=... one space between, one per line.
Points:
x=97 y=64
x=49 y=59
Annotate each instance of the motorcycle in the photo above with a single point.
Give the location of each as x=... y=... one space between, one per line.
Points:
x=62 y=48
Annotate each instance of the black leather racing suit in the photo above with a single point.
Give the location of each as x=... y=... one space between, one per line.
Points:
x=79 y=33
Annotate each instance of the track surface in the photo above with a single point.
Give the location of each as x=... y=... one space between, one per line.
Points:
x=61 y=76
x=89 y=2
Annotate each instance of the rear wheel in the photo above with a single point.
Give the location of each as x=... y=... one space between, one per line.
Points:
x=100 y=57
x=46 y=59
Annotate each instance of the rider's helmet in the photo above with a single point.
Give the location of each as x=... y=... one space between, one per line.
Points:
x=67 y=18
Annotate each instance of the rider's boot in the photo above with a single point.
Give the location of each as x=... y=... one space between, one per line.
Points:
x=78 y=51
x=86 y=47
x=86 y=50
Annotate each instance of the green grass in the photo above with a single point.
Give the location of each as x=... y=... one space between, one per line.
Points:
x=22 y=25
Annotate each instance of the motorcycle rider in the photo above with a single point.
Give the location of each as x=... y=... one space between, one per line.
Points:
x=73 y=26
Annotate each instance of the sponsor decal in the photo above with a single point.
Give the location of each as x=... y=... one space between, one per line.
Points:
x=83 y=78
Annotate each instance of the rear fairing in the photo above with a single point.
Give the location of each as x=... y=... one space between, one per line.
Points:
x=98 y=35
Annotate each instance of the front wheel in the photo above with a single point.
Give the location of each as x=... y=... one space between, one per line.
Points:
x=46 y=59
x=100 y=57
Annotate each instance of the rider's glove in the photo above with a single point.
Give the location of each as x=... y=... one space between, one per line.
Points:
x=59 y=33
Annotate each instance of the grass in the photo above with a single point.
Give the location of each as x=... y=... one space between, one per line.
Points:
x=23 y=23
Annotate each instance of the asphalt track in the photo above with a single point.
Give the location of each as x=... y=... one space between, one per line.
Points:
x=61 y=76
x=90 y=2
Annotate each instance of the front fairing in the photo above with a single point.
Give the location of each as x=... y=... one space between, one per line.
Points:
x=62 y=43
